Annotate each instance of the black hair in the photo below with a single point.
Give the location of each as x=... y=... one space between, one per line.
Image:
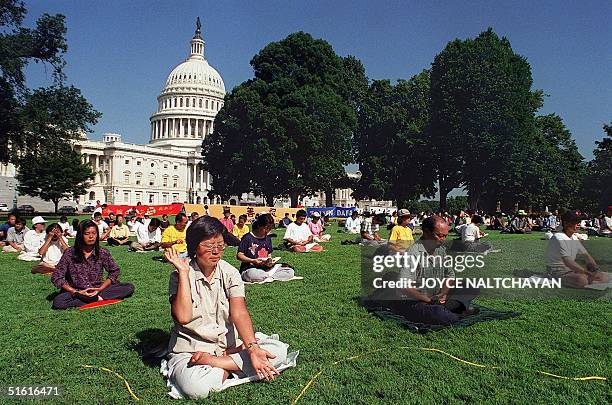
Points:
x=155 y=222
x=300 y=213
x=477 y=219
x=52 y=227
x=79 y=241
x=75 y=223
x=243 y=216
x=263 y=221
x=21 y=221
x=117 y=216
x=179 y=217
x=203 y=228
x=97 y=214
x=64 y=217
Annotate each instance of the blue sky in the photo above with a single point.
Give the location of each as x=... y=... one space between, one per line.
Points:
x=120 y=52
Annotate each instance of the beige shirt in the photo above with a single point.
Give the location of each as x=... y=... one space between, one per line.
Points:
x=211 y=330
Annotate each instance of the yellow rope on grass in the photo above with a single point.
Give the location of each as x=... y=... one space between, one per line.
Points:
x=122 y=378
x=428 y=349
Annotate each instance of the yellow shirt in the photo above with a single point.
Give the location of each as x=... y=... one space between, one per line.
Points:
x=120 y=232
x=171 y=234
x=239 y=233
x=401 y=233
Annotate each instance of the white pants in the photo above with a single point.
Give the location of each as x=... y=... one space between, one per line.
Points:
x=29 y=256
x=10 y=249
x=254 y=275
x=196 y=382
x=322 y=238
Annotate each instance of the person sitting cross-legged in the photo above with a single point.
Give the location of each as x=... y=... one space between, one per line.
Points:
x=119 y=234
x=52 y=250
x=33 y=240
x=148 y=237
x=103 y=228
x=471 y=235
x=353 y=223
x=401 y=235
x=285 y=221
x=561 y=253
x=255 y=254
x=208 y=306
x=316 y=228
x=79 y=272
x=298 y=237
x=370 y=230
x=15 y=237
x=519 y=223
x=174 y=236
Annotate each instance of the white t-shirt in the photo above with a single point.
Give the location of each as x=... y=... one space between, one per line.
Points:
x=32 y=241
x=65 y=226
x=102 y=227
x=99 y=209
x=353 y=225
x=145 y=237
x=54 y=252
x=560 y=246
x=470 y=233
x=298 y=233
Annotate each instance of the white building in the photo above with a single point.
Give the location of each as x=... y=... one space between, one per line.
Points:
x=168 y=168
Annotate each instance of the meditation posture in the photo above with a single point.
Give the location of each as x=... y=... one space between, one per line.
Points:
x=353 y=223
x=164 y=222
x=471 y=234
x=298 y=237
x=74 y=228
x=561 y=253
x=103 y=228
x=433 y=305
x=15 y=237
x=317 y=230
x=401 y=234
x=241 y=228
x=33 y=240
x=207 y=301
x=285 y=221
x=52 y=250
x=79 y=273
x=119 y=234
x=63 y=223
x=255 y=254
x=227 y=221
x=370 y=230
x=519 y=223
x=174 y=236
x=148 y=237
x=10 y=222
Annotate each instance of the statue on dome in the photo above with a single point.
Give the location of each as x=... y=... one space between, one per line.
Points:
x=198 y=27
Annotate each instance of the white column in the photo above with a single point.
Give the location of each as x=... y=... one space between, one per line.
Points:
x=188 y=128
x=182 y=128
x=193 y=178
x=152 y=131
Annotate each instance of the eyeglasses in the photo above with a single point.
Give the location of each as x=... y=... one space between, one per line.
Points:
x=209 y=247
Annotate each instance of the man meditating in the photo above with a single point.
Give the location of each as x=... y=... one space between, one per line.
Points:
x=436 y=305
x=79 y=272
x=255 y=254
x=174 y=236
x=119 y=234
x=148 y=237
x=561 y=253
x=298 y=237
x=207 y=301
x=15 y=237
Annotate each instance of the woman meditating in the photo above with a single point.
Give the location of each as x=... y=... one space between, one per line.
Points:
x=79 y=272
x=255 y=254
x=209 y=310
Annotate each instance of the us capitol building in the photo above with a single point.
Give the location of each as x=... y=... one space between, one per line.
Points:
x=168 y=169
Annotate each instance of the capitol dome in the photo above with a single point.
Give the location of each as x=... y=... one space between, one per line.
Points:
x=187 y=105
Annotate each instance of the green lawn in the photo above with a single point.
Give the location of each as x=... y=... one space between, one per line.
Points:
x=320 y=317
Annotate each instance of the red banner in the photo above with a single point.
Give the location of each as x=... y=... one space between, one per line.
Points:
x=142 y=210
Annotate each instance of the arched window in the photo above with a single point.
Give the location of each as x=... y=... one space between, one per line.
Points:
x=175 y=181
x=92 y=195
x=165 y=181
x=151 y=179
x=207 y=104
x=175 y=101
x=200 y=103
x=186 y=102
x=180 y=102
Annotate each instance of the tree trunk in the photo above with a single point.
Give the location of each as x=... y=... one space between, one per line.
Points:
x=270 y=200
x=294 y=196
x=473 y=197
x=329 y=198
x=55 y=202
x=443 y=195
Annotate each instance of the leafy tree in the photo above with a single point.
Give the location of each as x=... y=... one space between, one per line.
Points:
x=58 y=174
x=392 y=142
x=482 y=113
x=289 y=130
x=597 y=187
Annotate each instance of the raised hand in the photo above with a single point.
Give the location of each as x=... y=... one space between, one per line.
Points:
x=179 y=263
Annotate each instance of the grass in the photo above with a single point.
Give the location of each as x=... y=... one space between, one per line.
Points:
x=320 y=317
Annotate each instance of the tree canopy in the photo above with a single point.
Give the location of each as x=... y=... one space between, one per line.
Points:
x=287 y=131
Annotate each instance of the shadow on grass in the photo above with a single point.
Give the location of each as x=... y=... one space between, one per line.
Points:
x=151 y=346
x=52 y=296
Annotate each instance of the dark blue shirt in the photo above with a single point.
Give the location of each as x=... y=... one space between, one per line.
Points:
x=254 y=248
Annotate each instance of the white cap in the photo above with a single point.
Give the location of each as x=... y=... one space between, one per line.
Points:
x=316 y=214
x=38 y=220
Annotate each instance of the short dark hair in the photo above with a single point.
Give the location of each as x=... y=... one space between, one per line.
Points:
x=155 y=222
x=243 y=216
x=52 y=226
x=118 y=215
x=20 y=220
x=477 y=219
x=64 y=217
x=262 y=221
x=429 y=223
x=97 y=214
x=570 y=216
x=179 y=217
x=203 y=228
x=300 y=213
